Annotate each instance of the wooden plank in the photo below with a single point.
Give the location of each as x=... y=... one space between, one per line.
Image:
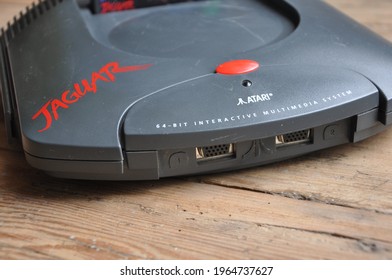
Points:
x=376 y=15
x=17 y=2
x=176 y=219
x=8 y=11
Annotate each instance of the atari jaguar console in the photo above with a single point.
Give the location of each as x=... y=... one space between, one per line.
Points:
x=188 y=88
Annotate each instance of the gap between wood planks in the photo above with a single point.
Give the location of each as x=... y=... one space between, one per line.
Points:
x=288 y=194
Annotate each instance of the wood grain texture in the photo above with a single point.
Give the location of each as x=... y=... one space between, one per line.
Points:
x=332 y=204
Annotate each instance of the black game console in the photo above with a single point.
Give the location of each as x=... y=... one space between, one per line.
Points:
x=189 y=88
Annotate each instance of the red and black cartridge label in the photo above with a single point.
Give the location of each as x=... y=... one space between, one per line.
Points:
x=107 y=6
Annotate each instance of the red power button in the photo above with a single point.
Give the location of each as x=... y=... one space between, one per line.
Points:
x=237 y=67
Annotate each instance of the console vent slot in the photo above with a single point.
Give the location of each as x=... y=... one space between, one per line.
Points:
x=7 y=91
x=14 y=27
x=28 y=16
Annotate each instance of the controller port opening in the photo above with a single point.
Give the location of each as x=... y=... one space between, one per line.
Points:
x=215 y=152
x=297 y=137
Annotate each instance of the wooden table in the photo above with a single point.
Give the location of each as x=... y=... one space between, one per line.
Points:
x=333 y=204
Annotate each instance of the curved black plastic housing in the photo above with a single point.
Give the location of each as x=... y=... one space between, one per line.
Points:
x=135 y=94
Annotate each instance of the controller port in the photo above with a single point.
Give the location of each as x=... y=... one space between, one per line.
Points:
x=298 y=137
x=215 y=152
